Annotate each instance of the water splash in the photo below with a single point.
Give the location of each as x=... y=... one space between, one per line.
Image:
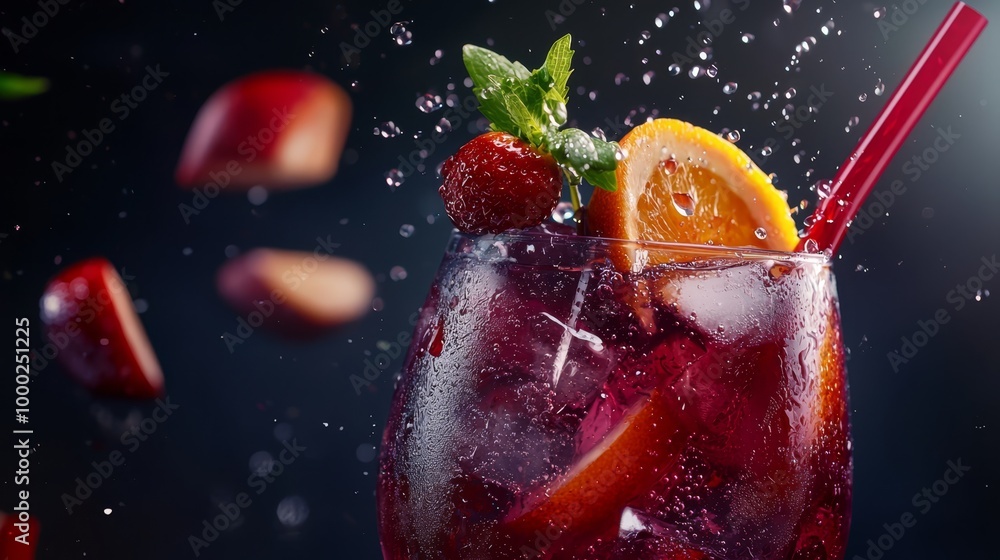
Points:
x=683 y=203
x=400 y=34
x=428 y=103
x=394 y=178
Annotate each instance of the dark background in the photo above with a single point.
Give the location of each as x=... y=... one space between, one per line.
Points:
x=122 y=203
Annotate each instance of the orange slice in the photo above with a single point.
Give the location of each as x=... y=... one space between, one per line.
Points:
x=684 y=184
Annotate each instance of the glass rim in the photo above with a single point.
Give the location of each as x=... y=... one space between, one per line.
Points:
x=706 y=251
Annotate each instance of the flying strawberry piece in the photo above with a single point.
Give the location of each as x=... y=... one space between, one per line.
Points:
x=18 y=540
x=283 y=129
x=294 y=293
x=89 y=317
x=497 y=182
x=512 y=177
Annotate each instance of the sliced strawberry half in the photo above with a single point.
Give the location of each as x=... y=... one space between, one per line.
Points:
x=89 y=317
x=296 y=293
x=284 y=129
x=18 y=541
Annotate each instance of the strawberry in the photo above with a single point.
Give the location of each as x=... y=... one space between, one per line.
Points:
x=497 y=182
x=89 y=317
x=512 y=177
x=282 y=128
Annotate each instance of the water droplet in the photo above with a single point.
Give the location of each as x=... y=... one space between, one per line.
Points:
x=647 y=78
x=879 y=13
x=712 y=71
x=397 y=273
x=791 y=5
x=863 y=97
x=443 y=125
x=387 y=129
x=400 y=33
x=766 y=151
x=747 y=38
x=702 y=4
x=428 y=103
x=823 y=188
x=760 y=232
x=661 y=20
x=667 y=167
x=394 y=178
x=851 y=123
x=733 y=136
x=644 y=36
x=563 y=213
x=811 y=246
x=257 y=195
x=790 y=93
x=292 y=511
x=406 y=230
x=879 y=87
x=683 y=203
x=696 y=72
x=620 y=78
x=674 y=69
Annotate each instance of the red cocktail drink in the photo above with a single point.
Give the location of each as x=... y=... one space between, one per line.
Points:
x=553 y=405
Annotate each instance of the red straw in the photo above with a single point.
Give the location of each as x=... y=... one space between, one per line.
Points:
x=857 y=175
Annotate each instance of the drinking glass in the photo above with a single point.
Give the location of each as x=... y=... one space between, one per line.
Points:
x=571 y=397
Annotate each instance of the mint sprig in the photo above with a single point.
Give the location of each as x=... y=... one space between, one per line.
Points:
x=532 y=106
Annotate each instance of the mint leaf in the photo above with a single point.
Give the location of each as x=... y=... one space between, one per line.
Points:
x=495 y=110
x=532 y=106
x=607 y=155
x=558 y=65
x=606 y=180
x=519 y=104
x=553 y=104
x=482 y=63
x=15 y=86
x=582 y=151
